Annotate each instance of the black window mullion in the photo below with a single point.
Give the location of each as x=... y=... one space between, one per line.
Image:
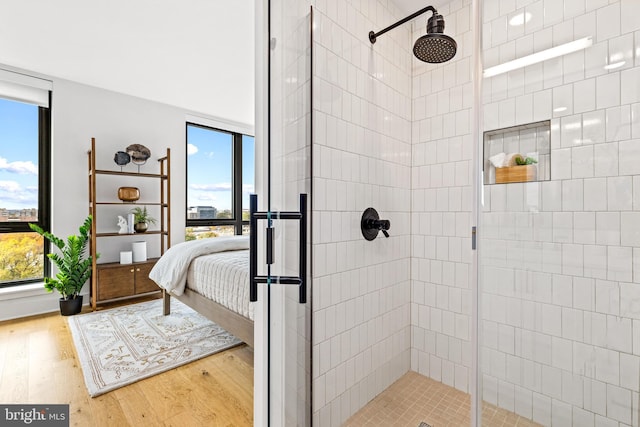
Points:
x=237 y=181
x=44 y=178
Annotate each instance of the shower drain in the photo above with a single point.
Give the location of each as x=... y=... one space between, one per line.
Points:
x=423 y=424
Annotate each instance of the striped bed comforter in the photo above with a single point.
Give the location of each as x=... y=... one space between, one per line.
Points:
x=224 y=278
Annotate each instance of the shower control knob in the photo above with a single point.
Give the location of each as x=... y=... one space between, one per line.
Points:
x=378 y=224
x=371 y=224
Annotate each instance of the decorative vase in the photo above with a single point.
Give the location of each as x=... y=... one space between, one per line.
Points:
x=128 y=194
x=140 y=227
x=71 y=306
x=139 y=250
x=130 y=223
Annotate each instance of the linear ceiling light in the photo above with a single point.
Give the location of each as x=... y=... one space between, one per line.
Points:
x=554 y=52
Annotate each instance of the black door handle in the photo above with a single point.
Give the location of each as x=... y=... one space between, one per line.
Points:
x=254 y=278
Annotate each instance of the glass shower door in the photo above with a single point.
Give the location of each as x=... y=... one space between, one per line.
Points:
x=558 y=231
x=285 y=279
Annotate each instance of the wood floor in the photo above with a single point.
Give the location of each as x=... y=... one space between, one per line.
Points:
x=38 y=364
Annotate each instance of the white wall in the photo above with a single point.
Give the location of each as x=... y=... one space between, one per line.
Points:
x=80 y=112
x=362 y=158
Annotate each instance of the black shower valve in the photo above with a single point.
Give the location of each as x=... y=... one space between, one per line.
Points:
x=371 y=224
x=379 y=224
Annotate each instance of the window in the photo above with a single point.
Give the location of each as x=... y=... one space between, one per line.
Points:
x=220 y=177
x=25 y=140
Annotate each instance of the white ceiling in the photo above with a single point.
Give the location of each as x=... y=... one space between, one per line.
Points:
x=194 y=54
x=410 y=6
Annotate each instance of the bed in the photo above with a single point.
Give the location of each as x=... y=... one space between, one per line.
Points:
x=212 y=277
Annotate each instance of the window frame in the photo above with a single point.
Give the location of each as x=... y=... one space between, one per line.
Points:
x=236 y=184
x=44 y=194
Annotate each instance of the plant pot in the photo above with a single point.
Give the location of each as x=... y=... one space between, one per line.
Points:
x=71 y=306
x=140 y=227
x=522 y=173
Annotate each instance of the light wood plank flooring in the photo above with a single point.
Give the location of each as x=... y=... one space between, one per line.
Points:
x=38 y=364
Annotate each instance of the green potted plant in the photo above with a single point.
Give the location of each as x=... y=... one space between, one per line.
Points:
x=524 y=161
x=142 y=219
x=74 y=266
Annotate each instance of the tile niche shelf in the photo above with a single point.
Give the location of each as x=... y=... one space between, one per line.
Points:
x=112 y=280
x=529 y=141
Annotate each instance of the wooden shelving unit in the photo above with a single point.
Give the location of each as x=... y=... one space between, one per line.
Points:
x=113 y=280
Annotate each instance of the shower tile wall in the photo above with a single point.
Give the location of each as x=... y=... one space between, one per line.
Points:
x=362 y=158
x=560 y=260
x=442 y=196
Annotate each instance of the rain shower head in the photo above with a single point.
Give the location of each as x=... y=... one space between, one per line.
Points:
x=434 y=47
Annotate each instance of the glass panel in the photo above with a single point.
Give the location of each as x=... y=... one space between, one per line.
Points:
x=204 y=232
x=18 y=161
x=558 y=282
x=21 y=257
x=289 y=320
x=209 y=173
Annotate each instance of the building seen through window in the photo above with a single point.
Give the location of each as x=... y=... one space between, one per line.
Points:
x=24 y=183
x=220 y=177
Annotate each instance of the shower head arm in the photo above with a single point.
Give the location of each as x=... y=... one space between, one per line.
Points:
x=373 y=36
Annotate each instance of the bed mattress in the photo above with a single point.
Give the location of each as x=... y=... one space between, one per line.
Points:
x=224 y=278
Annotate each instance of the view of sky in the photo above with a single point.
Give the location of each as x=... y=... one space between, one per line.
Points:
x=210 y=168
x=210 y=161
x=18 y=155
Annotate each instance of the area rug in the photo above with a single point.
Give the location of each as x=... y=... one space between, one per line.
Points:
x=123 y=345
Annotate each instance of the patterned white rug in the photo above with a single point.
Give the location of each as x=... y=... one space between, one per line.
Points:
x=123 y=345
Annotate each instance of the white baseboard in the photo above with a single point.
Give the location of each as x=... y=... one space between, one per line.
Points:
x=29 y=300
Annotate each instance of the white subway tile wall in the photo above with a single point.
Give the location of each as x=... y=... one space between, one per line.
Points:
x=441 y=221
x=559 y=278
x=362 y=106
x=560 y=260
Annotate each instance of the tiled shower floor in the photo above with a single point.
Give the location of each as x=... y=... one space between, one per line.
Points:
x=414 y=399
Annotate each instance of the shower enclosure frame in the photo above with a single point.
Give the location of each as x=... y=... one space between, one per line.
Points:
x=476 y=230
x=282 y=384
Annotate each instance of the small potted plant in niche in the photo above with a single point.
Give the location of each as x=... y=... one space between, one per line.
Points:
x=74 y=266
x=517 y=169
x=142 y=219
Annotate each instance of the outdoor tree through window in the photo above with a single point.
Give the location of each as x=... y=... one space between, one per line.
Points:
x=24 y=165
